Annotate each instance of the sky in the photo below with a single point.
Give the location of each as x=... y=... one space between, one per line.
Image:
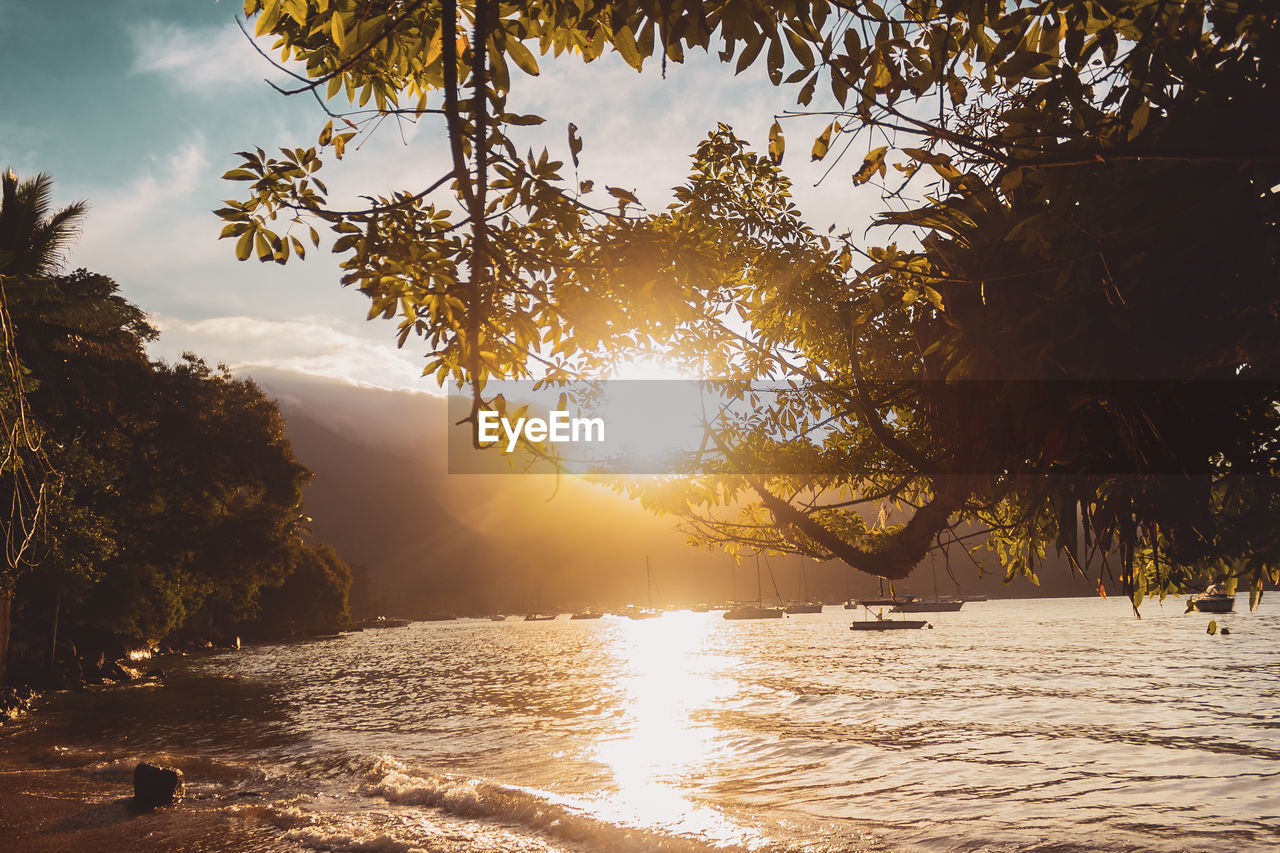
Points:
x=138 y=106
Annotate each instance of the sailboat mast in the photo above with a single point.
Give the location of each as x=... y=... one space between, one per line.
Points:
x=759 y=594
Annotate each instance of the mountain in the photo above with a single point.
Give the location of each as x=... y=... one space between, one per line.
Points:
x=474 y=543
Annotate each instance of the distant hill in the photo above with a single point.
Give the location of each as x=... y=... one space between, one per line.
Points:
x=432 y=541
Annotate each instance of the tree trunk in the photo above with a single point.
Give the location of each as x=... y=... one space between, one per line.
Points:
x=6 y=599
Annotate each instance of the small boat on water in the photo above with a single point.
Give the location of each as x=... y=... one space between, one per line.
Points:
x=935 y=604
x=540 y=617
x=643 y=613
x=649 y=612
x=1214 y=600
x=746 y=610
x=497 y=617
x=753 y=611
x=805 y=604
x=803 y=607
x=585 y=614
x=929 y=605
x=383 y=622
x=879 y=602
x=879 y=623
x=889 y=625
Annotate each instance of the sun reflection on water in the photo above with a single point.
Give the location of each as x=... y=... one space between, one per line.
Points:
x=668 y=675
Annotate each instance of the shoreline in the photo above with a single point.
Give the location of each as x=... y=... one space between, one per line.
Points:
x=55 y=800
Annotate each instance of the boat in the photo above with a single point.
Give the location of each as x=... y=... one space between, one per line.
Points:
x=384 y=622
x=1214 y=600
x=743 y=610
x=929 y=605
x=880 y=602
x=645 y=612
x=891 y=600
x=497 y=617
x=803 y=607
x=879 y=623
x=752 y=611
x=936 y=604
x=540 y=617
x=882 y=624
x=585 y=614
x=806 y=604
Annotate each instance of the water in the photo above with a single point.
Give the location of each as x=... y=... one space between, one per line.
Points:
x=1063 y=725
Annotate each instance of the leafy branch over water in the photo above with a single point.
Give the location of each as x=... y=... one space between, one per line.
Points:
x=1079 y=192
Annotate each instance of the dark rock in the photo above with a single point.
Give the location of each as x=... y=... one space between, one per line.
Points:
x=154 y=675
x=154 y=785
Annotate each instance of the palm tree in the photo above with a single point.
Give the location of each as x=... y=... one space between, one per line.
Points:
x=33 y=236
x=55 y=319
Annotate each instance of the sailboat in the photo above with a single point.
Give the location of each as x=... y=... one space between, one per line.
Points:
x=891 y=601
x=806 y=605
x=879 y=623
x=742 y=610
x=937 y=604
x=648 y=612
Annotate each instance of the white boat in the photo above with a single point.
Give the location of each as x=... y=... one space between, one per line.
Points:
x=1214 y=600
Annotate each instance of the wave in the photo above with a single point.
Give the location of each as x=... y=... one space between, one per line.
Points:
x=550 y=815
x=111 y=765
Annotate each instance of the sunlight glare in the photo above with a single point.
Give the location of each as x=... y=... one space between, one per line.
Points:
x=668 y=680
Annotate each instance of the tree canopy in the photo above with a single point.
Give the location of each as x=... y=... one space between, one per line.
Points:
x=1073 y=330
x=140 y=496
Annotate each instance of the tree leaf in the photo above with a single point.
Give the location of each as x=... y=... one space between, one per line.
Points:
x=575 y=143
x=777 y=144
x=823 y=143
x=521 y=56
x=870 y=166
x=338 y=31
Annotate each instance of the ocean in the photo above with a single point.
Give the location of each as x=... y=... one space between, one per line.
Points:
x=1021 y=725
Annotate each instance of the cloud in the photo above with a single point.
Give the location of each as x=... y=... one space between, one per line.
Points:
x=147 y=211
x=195 y=59
x=315 y=345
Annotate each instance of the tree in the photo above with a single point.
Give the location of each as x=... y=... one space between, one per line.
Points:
x=31 y=241
x=313 y=596
x=35 y=234
x=206 y=504
x=1067 y=177
x=146 y=495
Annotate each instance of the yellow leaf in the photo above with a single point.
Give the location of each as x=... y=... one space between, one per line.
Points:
x=823 y=143
x=521 y=56
x=339 y=32
x=870 y=166
x=777 y=144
